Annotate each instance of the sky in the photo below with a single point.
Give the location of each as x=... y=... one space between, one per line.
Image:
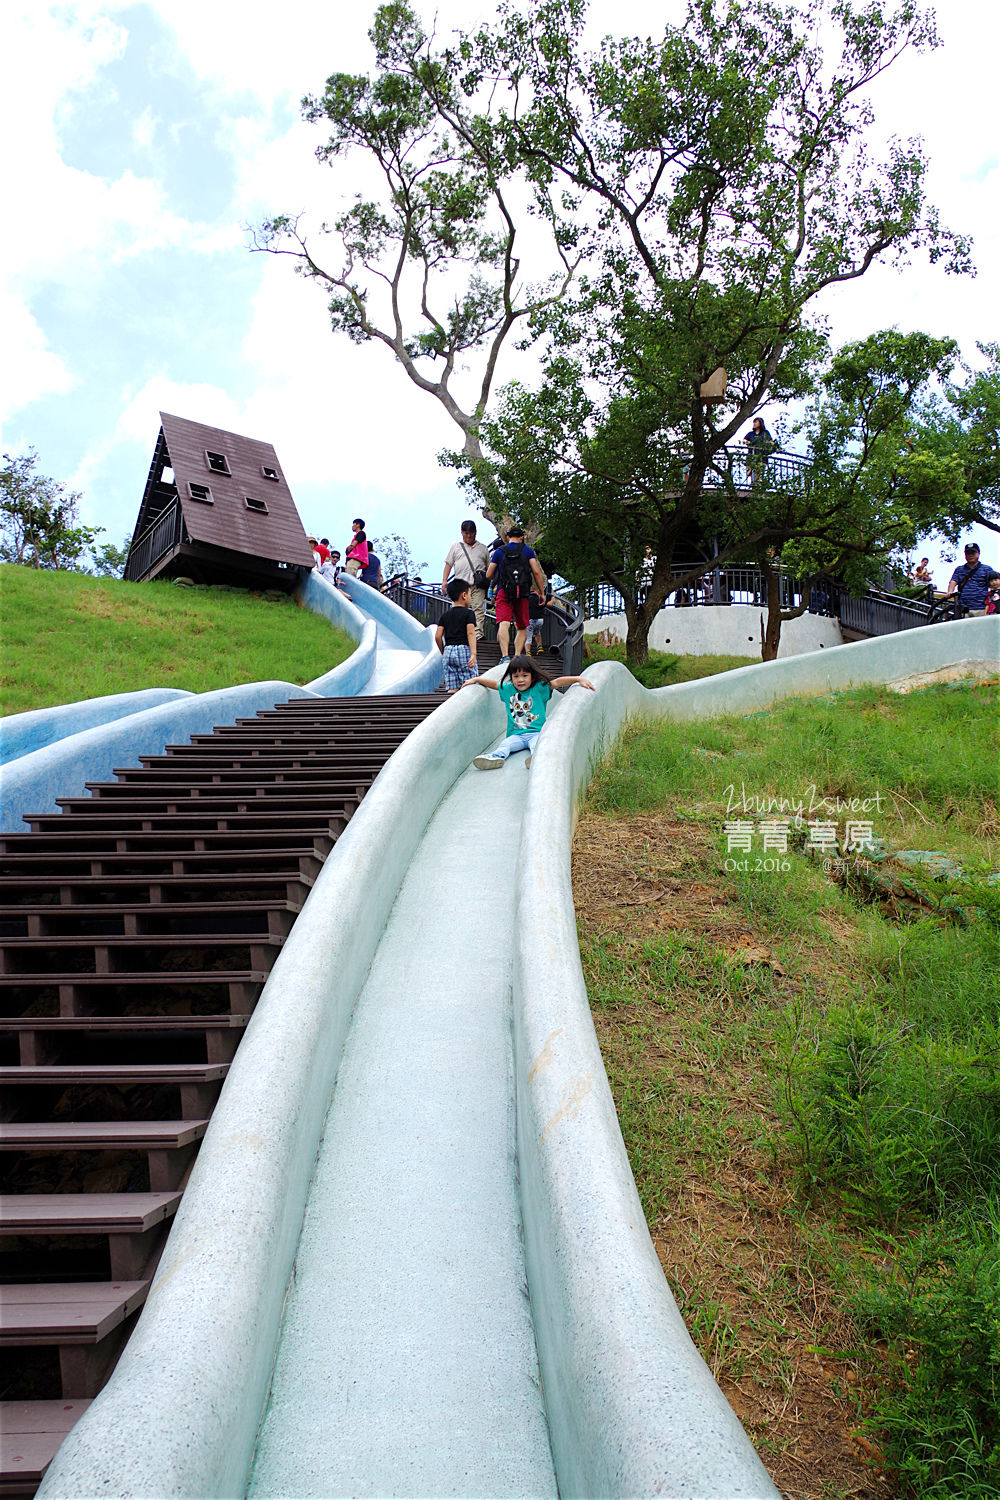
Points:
x=142 y=140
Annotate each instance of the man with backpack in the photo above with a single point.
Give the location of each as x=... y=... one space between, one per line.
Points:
x=516 y=570
x=972 y=582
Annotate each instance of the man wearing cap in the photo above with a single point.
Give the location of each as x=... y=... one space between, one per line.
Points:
x=972 y=582
x=469 y=558
x=514 y=557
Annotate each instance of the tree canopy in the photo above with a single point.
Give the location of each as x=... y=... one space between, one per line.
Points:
x=40 y=525
x=39 y=521
x=433 y=269
x=700 y=192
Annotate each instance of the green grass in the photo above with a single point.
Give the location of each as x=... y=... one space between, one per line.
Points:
x=929 y=758
x=859 y=1052
x=661 y=669
x=66 y=636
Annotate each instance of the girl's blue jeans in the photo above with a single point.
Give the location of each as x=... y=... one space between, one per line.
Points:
x=515 y=742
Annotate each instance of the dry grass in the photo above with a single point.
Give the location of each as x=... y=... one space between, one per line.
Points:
x=747 y=1267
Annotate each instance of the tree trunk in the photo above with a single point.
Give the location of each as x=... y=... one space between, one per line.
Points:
x=637 y=635
x=772 y=630
x=493 y=507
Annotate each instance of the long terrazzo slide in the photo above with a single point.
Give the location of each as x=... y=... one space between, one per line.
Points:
x=411 y=1259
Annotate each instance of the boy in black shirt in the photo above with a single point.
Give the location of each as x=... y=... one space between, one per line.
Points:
x=456 y=636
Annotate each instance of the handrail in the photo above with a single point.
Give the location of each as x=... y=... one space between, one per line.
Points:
x=158 y=538
x=747 y=470
x=562 y=630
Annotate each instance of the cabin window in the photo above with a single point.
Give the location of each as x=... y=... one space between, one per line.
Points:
x=201 y=492
x=269 y=473
x=217 y=462
x=258 y=505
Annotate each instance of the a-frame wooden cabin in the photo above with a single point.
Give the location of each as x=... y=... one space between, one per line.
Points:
x=217 y=509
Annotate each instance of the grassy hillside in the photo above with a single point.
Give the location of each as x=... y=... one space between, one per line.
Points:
x=805 y=1055
x=66 y=636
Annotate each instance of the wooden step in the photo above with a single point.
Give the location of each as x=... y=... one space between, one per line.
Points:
x=78 y=1312
x=36 y=1033
x=305 y=860
x=57 y=892
x=84 y=1213
x=118 y=1075
x=228 y=780
x=106 y=824
x=101 y=1135
x=69 y=994
x=133 y=918
x=198 y=1083
x=260 y=950
x=168 y=1145
x=30 y=1433
x=180 y=843
x=211 y=798
x=133 y=1225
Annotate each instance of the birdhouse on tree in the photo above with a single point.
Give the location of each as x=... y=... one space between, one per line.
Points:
x=714 y=388
x=217 y=508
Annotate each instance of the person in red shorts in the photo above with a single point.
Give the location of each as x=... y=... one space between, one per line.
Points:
x=516 y=570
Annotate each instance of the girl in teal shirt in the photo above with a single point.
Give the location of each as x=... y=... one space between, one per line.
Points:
x=525 y=691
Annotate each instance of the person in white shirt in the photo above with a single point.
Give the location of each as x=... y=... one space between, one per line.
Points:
x=467 y=559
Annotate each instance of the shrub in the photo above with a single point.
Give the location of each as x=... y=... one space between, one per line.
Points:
x=940 y=1418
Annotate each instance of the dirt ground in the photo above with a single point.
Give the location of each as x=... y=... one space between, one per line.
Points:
x=746 y=1272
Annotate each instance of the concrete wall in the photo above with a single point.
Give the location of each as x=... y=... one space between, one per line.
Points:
x=725 y=630
x=20 y=734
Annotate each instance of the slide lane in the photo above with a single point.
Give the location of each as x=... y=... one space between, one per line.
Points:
x=407 y=1361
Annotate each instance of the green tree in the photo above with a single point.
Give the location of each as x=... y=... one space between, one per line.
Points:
x=108 y=560
x=39 y=521
x=721 y=182
x=868 y=492
x=956 y=443
x=394 y=552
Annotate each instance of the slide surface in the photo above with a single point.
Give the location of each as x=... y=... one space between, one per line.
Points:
x=407 y=1361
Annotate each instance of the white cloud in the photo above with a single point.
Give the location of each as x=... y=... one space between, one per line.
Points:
x=139 y=420
x=29 y=369
x=342 y=412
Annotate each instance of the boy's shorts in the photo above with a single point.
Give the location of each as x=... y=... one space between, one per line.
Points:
x=457 y=666
x=518 y=611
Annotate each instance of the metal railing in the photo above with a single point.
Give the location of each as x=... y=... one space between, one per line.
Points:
x=742 y=469
x=876 y=612
x=562 y=627
x=879 y=613
x=158 y=539
x=716 y=586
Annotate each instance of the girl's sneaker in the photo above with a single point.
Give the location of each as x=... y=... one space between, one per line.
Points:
x=527 y=762
x=488 y=762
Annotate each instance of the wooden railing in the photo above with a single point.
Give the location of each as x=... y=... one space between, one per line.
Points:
x=158 y=539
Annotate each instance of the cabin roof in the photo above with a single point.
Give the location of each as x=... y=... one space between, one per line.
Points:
x=233 y=492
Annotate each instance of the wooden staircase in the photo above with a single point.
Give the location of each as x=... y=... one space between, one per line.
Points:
x=138 y=926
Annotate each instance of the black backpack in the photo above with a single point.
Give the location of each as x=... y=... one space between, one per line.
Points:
x=515 y=574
